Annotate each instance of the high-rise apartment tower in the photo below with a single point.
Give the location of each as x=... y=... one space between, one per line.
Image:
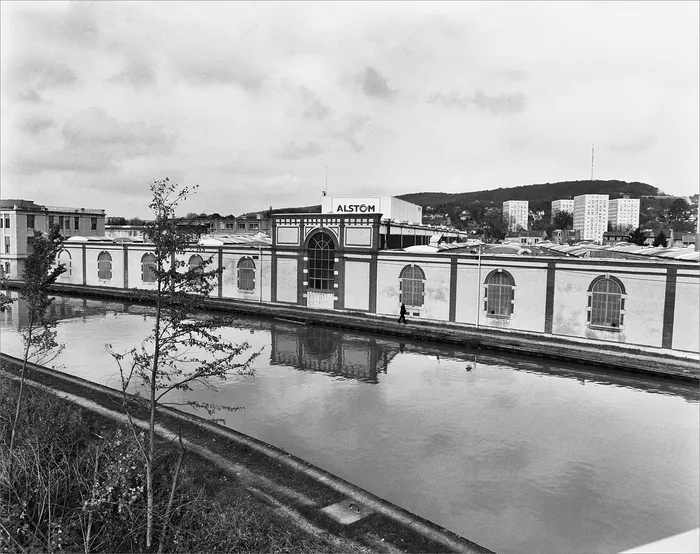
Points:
x=515 y=213
x=591 y=216
x=623 y=213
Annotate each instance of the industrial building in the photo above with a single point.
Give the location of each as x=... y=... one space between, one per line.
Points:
x=340 y=262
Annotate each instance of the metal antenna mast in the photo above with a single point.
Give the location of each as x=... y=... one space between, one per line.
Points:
x=592 y=158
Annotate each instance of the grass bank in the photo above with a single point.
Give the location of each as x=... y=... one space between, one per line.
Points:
x=75 y=482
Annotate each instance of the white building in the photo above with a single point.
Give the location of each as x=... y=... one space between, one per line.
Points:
x=19 y=219
x=565 y=205
x=591 y=216
x=515 y=213
x=391 y=208
x=623 y=213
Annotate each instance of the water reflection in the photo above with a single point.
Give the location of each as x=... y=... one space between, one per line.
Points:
x=350 y=355
x=311 y=348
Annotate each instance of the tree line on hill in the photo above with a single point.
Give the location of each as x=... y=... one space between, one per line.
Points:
x=481 y=211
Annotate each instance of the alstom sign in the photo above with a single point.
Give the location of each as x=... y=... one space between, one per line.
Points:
x=355 y=205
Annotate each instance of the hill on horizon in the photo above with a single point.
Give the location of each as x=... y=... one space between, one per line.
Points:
x=540 y=196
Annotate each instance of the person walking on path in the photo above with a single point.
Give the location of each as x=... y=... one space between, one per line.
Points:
x=402 y=317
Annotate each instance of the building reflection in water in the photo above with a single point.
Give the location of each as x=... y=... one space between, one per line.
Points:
x=311 y=348
x=361 y=356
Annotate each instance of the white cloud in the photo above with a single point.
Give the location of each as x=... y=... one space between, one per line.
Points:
x=249 y=98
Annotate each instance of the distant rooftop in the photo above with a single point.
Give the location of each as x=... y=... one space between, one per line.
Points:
x=30 y=205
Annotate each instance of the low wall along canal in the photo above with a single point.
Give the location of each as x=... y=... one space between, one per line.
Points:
x=513 y=452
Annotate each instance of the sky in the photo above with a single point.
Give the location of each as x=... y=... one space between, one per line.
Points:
x=257 y=102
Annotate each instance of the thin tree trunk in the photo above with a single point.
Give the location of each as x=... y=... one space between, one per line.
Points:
x=21 y=385
x=88 y=533
x=171 y=500
x=152 y=422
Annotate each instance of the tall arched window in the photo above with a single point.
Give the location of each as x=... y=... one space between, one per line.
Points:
x=246 y=274
x=195 y=263
x=148 y=268
x=321 y=262
x=65 y=259
x=606 y=302
x=104 y=266
x=412 y=286
x=499 y=298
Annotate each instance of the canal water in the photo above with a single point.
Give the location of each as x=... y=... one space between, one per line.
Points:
x=515 y=453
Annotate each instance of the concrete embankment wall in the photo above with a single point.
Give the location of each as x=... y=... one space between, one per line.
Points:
x=655 y=361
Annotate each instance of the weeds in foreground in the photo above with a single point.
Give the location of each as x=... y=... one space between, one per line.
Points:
x=76 y=482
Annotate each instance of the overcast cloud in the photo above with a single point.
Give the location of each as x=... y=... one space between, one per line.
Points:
x=253 y=100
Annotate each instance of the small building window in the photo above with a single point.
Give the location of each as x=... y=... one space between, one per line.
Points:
x=52 y=221
x=246 y=274
x=241 y=226
x=412 y=286
x=104 y=266
x=76 y=223
x=7 y=245
x=7 y=221
x=93 y=223
x=254 y=226
x=30 y=221
x=148 y=268
x=606 y=303
x=499 y=294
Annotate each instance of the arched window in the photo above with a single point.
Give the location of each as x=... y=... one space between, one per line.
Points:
x=246 y=274
x=148 y=268
x=104 y=266
x=606 y=302
x=412 y=286
x=65 y=259
x=499 y=298
x=321 y=262
x=195 y=264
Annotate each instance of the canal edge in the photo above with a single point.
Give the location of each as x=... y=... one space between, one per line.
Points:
x=629 y=358
x=427 y=529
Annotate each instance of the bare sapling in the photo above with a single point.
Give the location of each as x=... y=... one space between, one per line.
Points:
x=184 y=348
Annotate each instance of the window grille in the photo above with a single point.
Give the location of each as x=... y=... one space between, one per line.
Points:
x=321 y=262
x=606 y=303
x=148 y=268
x=412 y=286
x=246 y=274
x=499 y=294
x=104 y=266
